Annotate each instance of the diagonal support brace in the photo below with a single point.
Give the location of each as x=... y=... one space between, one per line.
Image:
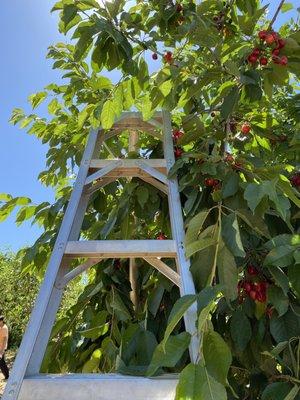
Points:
x=164 y=269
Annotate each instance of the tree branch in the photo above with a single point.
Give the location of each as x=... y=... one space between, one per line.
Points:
x=276 y=14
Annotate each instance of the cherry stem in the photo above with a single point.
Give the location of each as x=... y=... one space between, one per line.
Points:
x=276 y=14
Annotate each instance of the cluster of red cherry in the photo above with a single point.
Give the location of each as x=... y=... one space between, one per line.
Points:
x=295 y=180
x=177 y=134
x=253 y=287
x=268 y=49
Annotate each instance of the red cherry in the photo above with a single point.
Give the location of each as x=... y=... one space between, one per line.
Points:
x=245 y=129
x=154 y=56
x=252 y=295
x=270 y=39
x=295 y=180
x=252 y=58
x=281 y=43
x=252 y=270
x=229 y=158
x=177 y=134
x=178 y=152
x=179 y=8
x=263 y=61
x=283 y=60
x=209 y=182
x=248 y=287
x=256 y=51
x=276 y=52
x=161 y=236
x=237 y=166
x=275 y=35
x=216 y=182
x=168 y=57
x=262 y=35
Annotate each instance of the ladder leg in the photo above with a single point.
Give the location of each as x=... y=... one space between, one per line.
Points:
x=29 y=339
x=183 y=264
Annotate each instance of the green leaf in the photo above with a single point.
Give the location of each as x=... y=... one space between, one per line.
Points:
x=276 y=391
x=281 y=256
x=231 y=235
x=142 y=195
x=179 y=309
x=217 y=356
x=196 y=384
x=230 y=185
x=285 y=327
x=286 y=7
x=37 y=98
x=240 y=330
x=195 y=226
x=169 y=355
x=230 y=102
x=227 y=273
x=256 y=223
x=280 y=278
x=198 y=245
x=108 y=114
x=119 y=307
x=278 y=299
x=293 y=393
x=294 y=278
x=166 y=87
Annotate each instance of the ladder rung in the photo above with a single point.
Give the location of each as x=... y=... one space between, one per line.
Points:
x=129 y=167
x=98 y=386
x=121 y=248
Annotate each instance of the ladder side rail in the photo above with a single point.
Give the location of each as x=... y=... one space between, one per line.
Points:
x=177 y=227
x=29 y=339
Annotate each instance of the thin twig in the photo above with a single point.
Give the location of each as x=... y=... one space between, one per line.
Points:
x=276 y=14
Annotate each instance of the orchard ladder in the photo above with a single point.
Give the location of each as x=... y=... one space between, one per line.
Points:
x=26 y=382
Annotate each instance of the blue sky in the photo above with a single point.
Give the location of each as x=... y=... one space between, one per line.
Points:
x=27 y=29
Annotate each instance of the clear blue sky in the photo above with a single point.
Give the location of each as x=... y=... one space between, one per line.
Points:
x=27 y=29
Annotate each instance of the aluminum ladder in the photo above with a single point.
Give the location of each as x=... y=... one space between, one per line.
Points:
x=26 y=382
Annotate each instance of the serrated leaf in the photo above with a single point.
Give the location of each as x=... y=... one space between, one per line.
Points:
x=227 y=273
x=240 y=330
x=195 y=226
x=231 y=235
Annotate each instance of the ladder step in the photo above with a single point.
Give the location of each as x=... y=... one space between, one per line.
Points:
x=98 y=387
x=121 y=248
x=129 y=167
